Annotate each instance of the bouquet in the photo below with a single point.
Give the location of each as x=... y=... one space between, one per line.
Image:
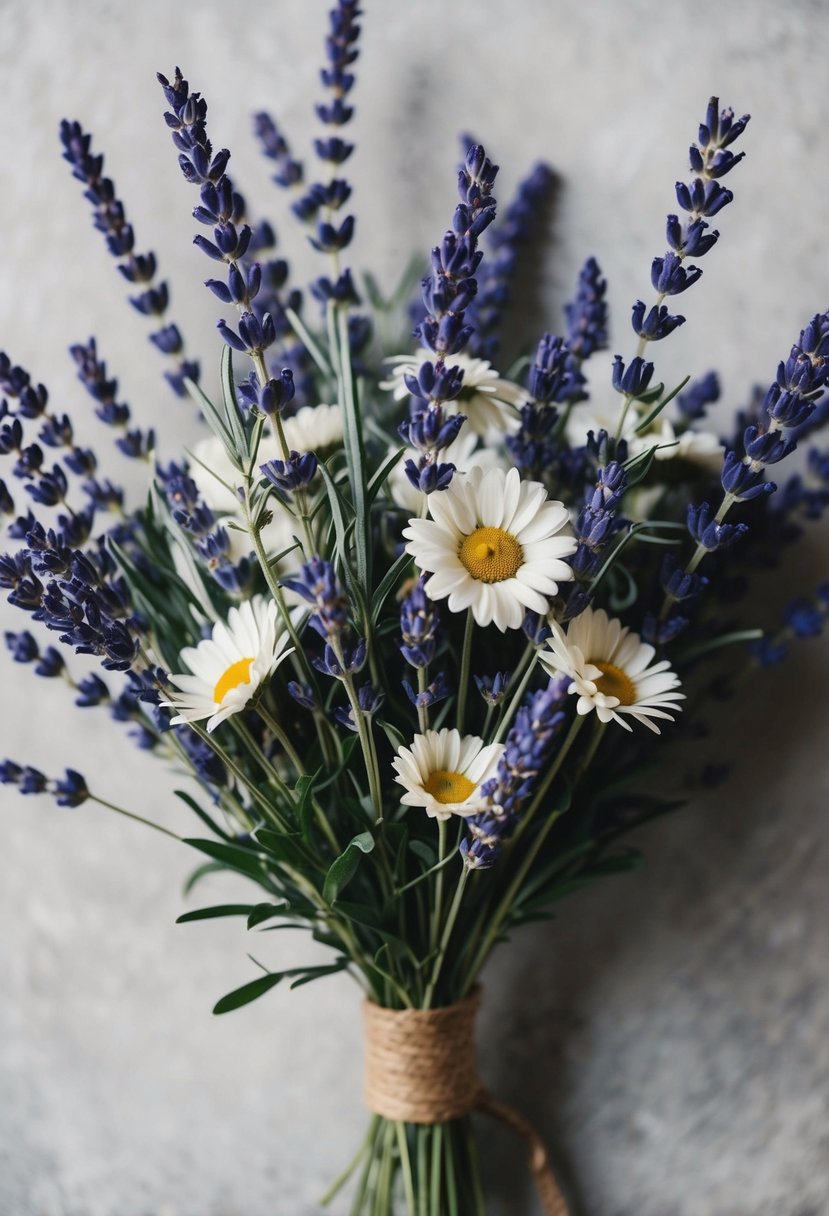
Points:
x=410 y=629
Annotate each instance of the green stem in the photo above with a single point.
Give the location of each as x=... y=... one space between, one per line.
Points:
x=496 y=919
x=451 y=1183
x=422 y=710
x=699 y=553
x=422 y=1135
x=447 y=933
x=406 y=1169
x=464 y=674
x=119 y=810
x=474 y=1168
x=342 y=1178
x=436 y=1174
x=292 y=755
x=529 y=658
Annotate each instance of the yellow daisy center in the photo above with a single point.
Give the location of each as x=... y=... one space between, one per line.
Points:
x=446 y=786
x=238 y=673
x=614 y=682
x=491 y=554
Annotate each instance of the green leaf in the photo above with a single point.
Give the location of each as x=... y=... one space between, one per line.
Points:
x=215 y=420
x=285 y=847
x=423 y=851
x=212 y=913
x=344 y=868
x=305 y=805
x=724 y=639
x=646 y=422
x=262 y=912
x=203 y=815
x=651 y=394
x=310 y=343
x=382 y=473
x=319 y=973
x=234 y=421
x=232 y=856
x=388 y=584
x=248 y=992
x=200 y=872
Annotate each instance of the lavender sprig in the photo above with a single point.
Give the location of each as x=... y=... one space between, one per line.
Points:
x=788 y=404
x=109 y=217
x=701 y=198
x=526 y=754
x=518 y=228
x=447 y=293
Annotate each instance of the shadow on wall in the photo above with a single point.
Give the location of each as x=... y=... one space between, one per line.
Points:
x=640 y=1030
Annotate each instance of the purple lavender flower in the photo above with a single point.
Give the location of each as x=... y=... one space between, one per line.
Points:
x=152 y=298
x=526 y=754
x=518 y=228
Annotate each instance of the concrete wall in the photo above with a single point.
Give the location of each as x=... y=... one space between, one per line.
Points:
x=669 y=1030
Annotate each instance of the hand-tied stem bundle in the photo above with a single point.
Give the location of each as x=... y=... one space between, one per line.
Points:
x=410 y=626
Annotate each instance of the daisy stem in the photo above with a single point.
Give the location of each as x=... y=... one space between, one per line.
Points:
x=464 y=673
x=234 y=768
x=438 y=902
x=422 y=710
x=288 y=747
x=504 y=906
x=447 y=933
x=119 y=810
x=364 y=734
x=259 y=757
x=274 y=587
x=292 y=755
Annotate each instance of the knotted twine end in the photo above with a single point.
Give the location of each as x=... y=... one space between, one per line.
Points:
x=421 y=1067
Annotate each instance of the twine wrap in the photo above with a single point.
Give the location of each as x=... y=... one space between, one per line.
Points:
x=421 y=1067
x=420 y=1063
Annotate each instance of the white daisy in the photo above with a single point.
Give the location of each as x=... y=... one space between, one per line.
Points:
x=313 y=428
x=464 y=453
x=702 y=448
x=228 y=667
x=490 y=403
x=443 y=772
x=612 y=670
x=492 y=546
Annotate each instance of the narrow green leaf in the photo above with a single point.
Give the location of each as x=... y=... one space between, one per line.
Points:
x=660 y=405
x=248 y=992
x=234 y=422
x=284 y=847
x=724 y=639
x=203 y=815
x=233 y=856
x=213 y=912
x=343 y=869
x=262 y=912
x=310 y=343
x=215 y=420
x=382 y=473
x=318 y=973
x=388 y=584
x=305 y=805
x=200 y=872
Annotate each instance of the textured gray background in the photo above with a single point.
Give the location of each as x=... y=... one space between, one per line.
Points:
x=670 y=1031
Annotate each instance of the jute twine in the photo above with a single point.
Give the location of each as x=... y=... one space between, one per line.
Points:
x=421 y=1067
